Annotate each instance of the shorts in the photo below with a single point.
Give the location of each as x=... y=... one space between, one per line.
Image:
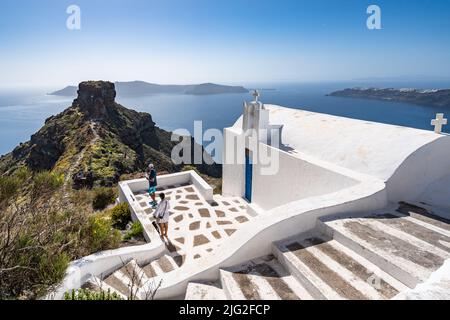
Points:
x=152 y=190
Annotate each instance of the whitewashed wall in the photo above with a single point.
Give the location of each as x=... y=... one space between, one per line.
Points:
x=296 y=179
x=423 y=169
x=233 y=174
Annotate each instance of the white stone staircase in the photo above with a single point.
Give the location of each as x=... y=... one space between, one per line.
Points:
x=371 y=257
x=329 y=270
x=262 y=279
x=360 y=257
x=134 y=282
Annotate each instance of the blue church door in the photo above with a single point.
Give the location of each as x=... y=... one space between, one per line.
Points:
x=248 y=176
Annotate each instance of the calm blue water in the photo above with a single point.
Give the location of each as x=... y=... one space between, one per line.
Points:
x=23 y=112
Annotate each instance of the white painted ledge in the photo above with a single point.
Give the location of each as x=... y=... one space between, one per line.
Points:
x=138 y=185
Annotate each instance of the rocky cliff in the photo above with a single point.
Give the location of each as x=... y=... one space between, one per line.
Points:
x=99 y=136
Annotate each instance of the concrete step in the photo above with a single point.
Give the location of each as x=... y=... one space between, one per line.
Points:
x=154 y=272
x=401 y=248
x=149 y=271
x=261 y=279
x=424 y=213
x=128 y=280
x=436 y=240
x=163 y=265
x=328 y=270
x=204 y=291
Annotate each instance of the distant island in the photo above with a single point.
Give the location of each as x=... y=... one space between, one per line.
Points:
x=141 y=88
x=428 y=97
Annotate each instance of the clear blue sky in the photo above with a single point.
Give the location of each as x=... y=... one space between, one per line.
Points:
x=227 y=41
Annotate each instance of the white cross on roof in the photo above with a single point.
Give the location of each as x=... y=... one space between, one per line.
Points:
x=438 y=123
x=256 y=95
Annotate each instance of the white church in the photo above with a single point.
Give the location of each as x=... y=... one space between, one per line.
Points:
x=313 y=206
x=322 y=154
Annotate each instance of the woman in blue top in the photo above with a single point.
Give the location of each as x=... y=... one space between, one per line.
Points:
x=152 y=183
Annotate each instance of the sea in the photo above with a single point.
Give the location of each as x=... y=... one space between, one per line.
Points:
x=23 y=111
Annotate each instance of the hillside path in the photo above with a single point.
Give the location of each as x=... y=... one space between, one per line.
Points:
x=79 y=158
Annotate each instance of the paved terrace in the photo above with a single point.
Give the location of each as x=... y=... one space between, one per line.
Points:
x=197 y=227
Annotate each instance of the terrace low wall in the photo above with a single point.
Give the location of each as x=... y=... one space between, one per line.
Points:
x=127 y=189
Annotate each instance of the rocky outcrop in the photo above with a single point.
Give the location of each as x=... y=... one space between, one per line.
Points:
x=95 y=98
x=112 y=140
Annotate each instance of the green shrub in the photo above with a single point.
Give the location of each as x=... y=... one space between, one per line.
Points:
x=8 y=187
x=23 y=173
x=218 y=189
x=82 y=197
x=39 y=236
x=100 y=235
x=52 y=267
x=103 y=197
x=46 y=181
x=121 y=215
x=85 y=294
x=136 y=230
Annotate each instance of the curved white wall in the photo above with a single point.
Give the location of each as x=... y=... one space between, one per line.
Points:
x=423 y=168
x=438 y=194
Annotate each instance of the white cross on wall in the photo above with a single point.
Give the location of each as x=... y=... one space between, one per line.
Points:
x=438 y=123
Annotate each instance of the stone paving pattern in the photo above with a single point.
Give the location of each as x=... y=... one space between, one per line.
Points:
x=196 y=227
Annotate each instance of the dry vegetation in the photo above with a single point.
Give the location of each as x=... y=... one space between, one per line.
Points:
x=40 y=233
x=42 y=230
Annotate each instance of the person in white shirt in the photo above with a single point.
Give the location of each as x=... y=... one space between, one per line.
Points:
x=162 y=215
